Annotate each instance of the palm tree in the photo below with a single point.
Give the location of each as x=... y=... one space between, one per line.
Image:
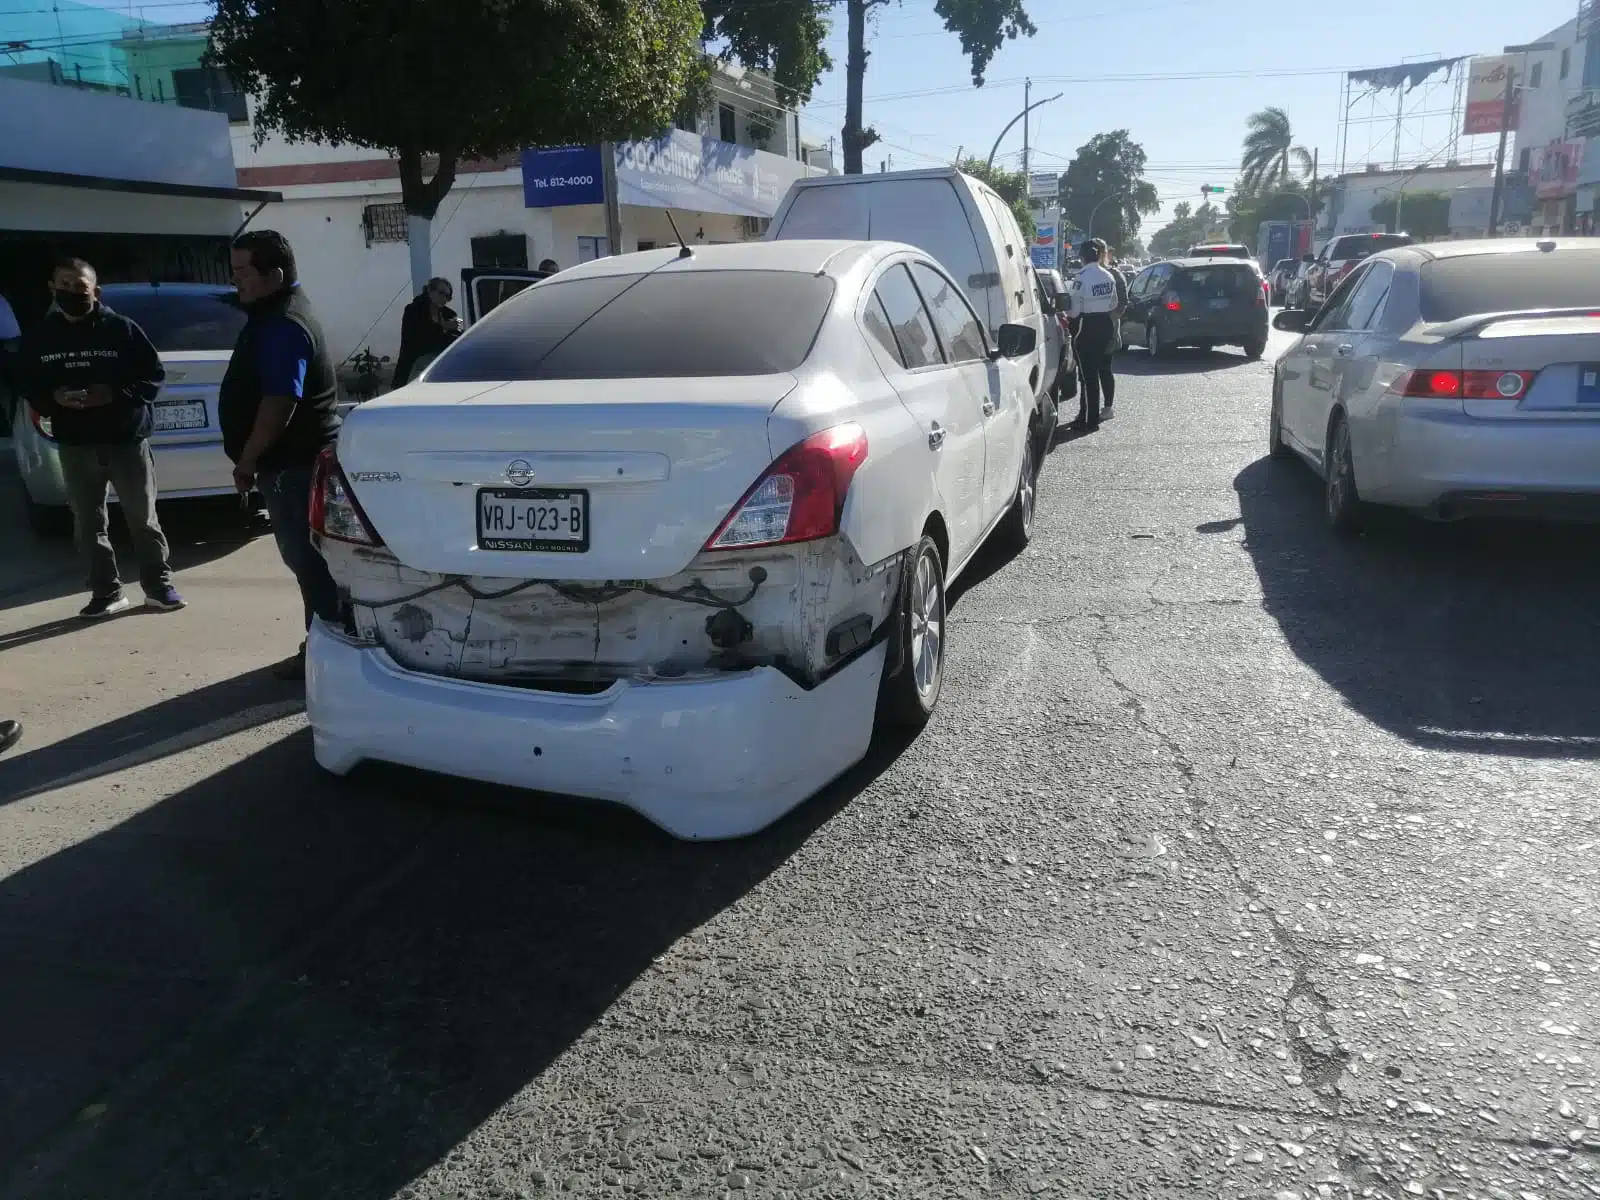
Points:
x=1268 y=151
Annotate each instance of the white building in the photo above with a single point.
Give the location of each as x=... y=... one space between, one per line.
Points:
x=1349 y=199
x=721 y=176
x=1547 y=151
x=143 y=191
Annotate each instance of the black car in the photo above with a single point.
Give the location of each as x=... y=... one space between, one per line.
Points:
x=1201 y=302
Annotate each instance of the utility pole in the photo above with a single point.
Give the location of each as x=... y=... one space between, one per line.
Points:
x=1500 y=153
x=1311 y=206
x=1027 y=100
x=608 y=174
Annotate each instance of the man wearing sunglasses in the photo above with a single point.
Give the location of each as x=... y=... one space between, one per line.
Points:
x=427 y=326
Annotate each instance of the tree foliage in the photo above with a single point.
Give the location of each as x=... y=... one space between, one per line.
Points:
x=1423 y=215
x=1012 y=187
x=983 y=26
x=451 y=80
x=1188 y=226
x=1269 y=151
x=1249 y=209
x=784 y=38
x=1104 y=183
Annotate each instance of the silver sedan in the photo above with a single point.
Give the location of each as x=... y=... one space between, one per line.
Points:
x=1452 y=379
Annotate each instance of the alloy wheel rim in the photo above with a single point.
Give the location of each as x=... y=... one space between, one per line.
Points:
x=1026 y=488
x=927 y=628
x=1336 y=471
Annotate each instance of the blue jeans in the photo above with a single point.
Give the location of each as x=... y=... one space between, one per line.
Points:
x=288 y=497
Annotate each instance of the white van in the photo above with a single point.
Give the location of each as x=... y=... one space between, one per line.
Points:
x=959 y=220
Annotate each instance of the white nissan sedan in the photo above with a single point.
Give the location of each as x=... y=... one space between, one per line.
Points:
x=670 y=529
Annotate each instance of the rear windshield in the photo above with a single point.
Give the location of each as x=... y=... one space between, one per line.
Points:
x=1219 y=252
x=680 y=323
x=176 y=321
x=1486 y=283
x=1225 y=281
x=1353 y=249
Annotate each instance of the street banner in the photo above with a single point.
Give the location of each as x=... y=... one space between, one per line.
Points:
x=1043 y=251
x=1044 y=185
x=1486 y=95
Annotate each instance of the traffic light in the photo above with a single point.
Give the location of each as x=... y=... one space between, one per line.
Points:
x=1207 y=190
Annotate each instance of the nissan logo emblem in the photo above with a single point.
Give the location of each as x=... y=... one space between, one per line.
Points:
x=520 y=472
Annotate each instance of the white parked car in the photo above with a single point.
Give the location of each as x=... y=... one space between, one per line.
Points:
x=669 y=529
x=193 y=327
x=1451 y=379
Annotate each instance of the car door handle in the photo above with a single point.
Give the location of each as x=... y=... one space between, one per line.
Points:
x=990 y=406
x=935 y=437
x=1344 y=349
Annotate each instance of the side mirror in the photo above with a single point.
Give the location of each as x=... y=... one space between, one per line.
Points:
x=1017 y=341
x=1292 y=320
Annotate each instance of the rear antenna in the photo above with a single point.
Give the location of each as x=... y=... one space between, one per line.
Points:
x=683 y=246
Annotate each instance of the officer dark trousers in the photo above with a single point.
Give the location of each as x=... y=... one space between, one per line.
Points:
x=1096 y=344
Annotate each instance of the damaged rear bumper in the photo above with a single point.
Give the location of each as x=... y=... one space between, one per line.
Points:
x=717 y=757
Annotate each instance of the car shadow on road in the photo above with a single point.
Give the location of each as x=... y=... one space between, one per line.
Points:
x=162 y=729
x=274 y=983
x=35 y=568
x=1478 y=637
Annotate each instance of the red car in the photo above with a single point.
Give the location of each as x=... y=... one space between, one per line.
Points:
x=1341 y=256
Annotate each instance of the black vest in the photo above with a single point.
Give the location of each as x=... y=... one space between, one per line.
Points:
x=315 y=422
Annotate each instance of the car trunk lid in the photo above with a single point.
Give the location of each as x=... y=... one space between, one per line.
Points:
x=1560 y=351
x=186 y=408
x=621 y=479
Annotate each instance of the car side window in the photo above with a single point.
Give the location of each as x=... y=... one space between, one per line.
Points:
x=1141 y=285
x=1366 y=302
x=909 y=321
x=876 y=322
x=1335 y=311
x=958 y=327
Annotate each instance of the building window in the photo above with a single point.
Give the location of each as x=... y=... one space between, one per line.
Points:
x=1536 y=75
x=1524 y=159
x=727 y=123
x=209 y=88
x=384 y=223
x=688 y=122
x=1566 y=61
x=643 y=245
x=500 y=250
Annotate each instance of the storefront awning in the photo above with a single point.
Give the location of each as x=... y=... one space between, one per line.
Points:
x=136 y=186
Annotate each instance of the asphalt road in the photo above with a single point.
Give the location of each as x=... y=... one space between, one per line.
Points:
x=1238 y=862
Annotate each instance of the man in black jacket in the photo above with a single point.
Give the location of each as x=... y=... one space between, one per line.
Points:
x=95 y=374
x=277 y=409
x=427 y=326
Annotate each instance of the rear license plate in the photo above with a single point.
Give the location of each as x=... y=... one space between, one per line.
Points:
x=180 y=414
x=1220 y=302
x=1589 y=384
x=538 y=519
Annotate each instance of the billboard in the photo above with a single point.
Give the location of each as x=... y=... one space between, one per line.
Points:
x=1043 y=251
x=1486 y=95
x=1043 y=185
x=1556 y=175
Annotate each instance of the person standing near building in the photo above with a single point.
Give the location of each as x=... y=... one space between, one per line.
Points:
x=277 y=409
x=1092 y=303
x=549 y=266
x=94 y=373
x=427 y=326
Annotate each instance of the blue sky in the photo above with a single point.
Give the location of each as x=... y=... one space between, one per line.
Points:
x=1290 y=55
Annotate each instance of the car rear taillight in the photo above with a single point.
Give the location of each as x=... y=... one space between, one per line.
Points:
x=1172 y=303
x=1265 y=295
x=335 y=512
x=1466 y=385
x=42 y=424
x=798 y=498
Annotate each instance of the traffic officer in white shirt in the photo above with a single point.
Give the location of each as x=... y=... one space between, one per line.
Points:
x=1094 y=300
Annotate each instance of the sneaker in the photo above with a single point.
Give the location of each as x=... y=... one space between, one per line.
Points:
x=292 y=669
x=105 y=606
x=10 y=734
x=164 y=598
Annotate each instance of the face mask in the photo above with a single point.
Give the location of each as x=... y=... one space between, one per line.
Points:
x=74 y=304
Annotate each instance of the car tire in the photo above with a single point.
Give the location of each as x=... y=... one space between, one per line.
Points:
x=907 y=698
x=1255 y=347
x=1155 y=343
x=1342 y=505
x=1016 y=527
x=1276 y=446
x=48 y=520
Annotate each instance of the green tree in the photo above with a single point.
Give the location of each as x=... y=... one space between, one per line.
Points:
x=1248 y=209
x=1188 y=226
x=1104 y=191
x=982 y=25
x=781 y=37
x=1012 y=187
x=1424 y=215
x=436 y=83
x=1269 y=149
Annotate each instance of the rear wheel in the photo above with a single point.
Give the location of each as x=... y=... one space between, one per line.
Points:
x=1154 y=342
x=48 y=520
x=1255 y=347
x=1017 y=527
x=908 y=697
x=1276 y=446
x=1345 y=511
